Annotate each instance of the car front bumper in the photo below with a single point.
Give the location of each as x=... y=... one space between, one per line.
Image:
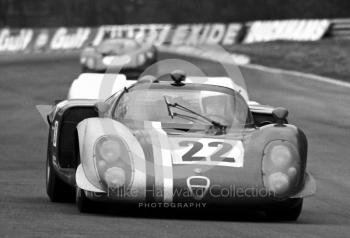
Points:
x=236 y=196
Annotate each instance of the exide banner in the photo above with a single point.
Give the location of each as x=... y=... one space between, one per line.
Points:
x=186 y=34
x=68 y=39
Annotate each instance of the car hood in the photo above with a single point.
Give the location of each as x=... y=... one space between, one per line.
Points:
x=178 y=161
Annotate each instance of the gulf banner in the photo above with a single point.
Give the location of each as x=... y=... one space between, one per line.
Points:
x=28 y=40
x=42 y=40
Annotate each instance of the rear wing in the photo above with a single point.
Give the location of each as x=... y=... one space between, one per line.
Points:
x=97 y=86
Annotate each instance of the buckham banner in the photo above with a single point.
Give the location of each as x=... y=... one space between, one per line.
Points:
x=293 y=30
x=68 y=39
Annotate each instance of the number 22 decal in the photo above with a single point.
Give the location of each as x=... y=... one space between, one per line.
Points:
x=198 y=146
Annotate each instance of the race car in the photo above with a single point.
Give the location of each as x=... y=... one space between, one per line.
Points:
x=175 y=139
x=122 y=55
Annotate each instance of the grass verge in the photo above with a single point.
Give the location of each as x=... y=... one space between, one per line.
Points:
x=329 y=57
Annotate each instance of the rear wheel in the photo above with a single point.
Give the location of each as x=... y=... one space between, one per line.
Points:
x=56 y=189
x=289 y=210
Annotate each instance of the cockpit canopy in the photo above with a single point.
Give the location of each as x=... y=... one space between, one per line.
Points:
x=150 y=102
x=118 y=46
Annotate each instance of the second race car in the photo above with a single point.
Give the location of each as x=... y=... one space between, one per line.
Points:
x=122 y=55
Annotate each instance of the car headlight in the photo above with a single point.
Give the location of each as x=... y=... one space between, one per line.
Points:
x=82 y=60
x=141 y=59
x=90 y=62
x=115 y=177
x=113 y=163
x=109 y=150
x=281 y=156
x=150 y=55
x=278 y=182
x=281 y=167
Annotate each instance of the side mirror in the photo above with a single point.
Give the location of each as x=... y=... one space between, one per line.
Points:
x=280 y=114
x=102 y=107
x=58 y=101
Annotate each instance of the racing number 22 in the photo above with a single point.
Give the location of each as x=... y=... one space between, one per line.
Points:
x=198 y=146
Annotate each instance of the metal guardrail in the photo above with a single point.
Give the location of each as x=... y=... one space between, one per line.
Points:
x=340 y=28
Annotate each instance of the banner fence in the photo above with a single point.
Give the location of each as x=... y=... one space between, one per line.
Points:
x=31 y=40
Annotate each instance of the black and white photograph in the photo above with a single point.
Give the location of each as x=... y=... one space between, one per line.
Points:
x=168 y=118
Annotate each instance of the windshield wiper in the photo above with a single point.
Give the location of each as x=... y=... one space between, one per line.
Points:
x=172 y=114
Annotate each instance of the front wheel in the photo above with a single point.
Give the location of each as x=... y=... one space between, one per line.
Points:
x=56 y=189
x=84 y=204
x=85 y=69
x=289 y=210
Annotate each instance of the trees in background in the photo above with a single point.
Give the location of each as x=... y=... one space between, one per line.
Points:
x=40 y=13
x=3 y=12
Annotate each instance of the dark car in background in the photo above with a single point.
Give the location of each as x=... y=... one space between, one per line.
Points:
x=122 y=55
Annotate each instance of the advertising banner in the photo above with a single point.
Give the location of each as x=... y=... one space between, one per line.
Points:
x=292 y=30
x=69 y=39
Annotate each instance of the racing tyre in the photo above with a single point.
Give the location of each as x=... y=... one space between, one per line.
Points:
x=85 y=69
x=84 y=205
x=56 y=189
x=289 y=210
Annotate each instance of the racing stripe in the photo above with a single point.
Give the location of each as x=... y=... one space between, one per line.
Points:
x=157 y=161
x=144 y=139
x=162 y=162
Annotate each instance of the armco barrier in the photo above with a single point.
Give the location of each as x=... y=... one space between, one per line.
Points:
x=340 y=28
x=68 y=39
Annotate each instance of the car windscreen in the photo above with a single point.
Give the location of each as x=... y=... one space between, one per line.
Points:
x=117 y=46
x=228 y=109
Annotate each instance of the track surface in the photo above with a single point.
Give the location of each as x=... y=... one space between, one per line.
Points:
x=322 y=110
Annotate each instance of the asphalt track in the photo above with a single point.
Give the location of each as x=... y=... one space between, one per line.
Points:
x=321 y=109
